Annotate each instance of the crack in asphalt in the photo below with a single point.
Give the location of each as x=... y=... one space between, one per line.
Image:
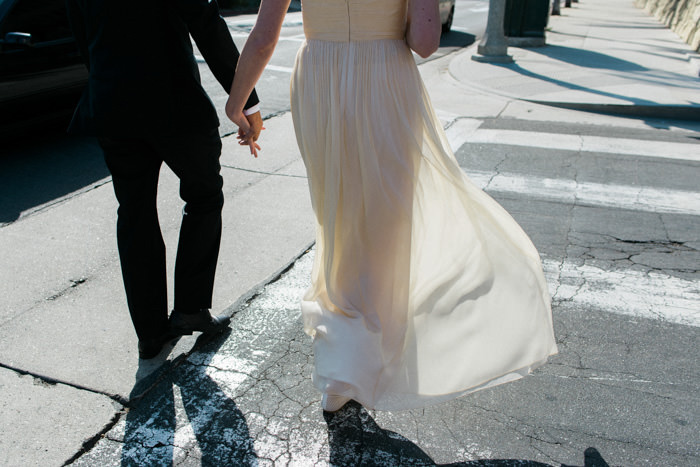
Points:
x=74 y=283
x=262 y=172
x=91 y=442
x=569 y=243
x=49 y=381
x=574 y=431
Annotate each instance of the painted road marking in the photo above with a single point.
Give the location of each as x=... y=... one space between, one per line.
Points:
x=297 y=38
x=644 y=294
x=636 y=198
x=461 y=133
x=284 y=69
x=647 y=294
x=238 y=365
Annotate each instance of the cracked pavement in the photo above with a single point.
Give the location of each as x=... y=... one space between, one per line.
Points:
x=622 y=391
x=246 y=399
x=612 y=204
x=624 y=279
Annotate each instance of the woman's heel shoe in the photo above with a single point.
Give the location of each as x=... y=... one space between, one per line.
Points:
x=333 y=403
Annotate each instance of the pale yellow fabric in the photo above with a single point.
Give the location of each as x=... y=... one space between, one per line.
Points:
x=423 y=287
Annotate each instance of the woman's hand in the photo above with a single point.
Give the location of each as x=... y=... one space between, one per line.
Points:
x=256 y=124
x=249 y=127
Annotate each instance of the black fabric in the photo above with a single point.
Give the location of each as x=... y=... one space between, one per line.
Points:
x=143 y=76
x=135 y=165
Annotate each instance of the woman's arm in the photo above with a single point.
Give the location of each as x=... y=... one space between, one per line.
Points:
x=423 y=26
x=254 y=56
x=210 y=33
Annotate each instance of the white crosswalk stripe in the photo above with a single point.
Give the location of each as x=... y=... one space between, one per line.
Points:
x=591 y=194
x=284 y=69
x=638 y=198
x=651 y=294
x=464 y=132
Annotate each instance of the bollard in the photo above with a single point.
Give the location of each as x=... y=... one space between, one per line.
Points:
x=567 y=3
x=556 y=11
x=493 y=46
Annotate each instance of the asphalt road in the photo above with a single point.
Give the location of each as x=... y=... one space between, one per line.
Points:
x=619 y=238
x=613 y=209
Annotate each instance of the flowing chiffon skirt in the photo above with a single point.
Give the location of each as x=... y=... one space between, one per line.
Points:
x=423 y=287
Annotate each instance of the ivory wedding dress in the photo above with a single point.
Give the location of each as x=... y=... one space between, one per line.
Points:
x=423 y=287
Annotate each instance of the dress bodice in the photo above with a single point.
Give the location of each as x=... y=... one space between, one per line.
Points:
x=354 y=20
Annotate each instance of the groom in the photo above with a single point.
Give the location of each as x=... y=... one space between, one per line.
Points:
x=145 y=103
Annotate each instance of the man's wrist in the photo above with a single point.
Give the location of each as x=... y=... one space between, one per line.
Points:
x=251 y=110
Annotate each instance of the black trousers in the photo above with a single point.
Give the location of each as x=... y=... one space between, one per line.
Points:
x=135 y=166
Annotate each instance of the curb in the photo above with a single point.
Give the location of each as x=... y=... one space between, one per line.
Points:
x=256 y=290
x=670 y=112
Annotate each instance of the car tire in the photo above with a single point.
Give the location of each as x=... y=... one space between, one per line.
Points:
x=447 y=25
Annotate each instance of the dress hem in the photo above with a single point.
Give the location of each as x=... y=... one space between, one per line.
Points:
x=416 y=401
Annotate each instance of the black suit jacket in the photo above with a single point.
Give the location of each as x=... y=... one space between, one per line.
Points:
x=143 y=76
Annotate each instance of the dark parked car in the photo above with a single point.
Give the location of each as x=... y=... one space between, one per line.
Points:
x=447 y=14
x=41 y=72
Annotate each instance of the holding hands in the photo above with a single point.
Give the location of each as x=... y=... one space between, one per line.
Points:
x=255 y=55
x=249 y=126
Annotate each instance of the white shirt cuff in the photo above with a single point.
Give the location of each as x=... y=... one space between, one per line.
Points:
x=251 y=110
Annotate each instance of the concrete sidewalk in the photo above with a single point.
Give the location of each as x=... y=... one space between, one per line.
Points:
x=600 y=56
x=68 y=356
x=68 y=362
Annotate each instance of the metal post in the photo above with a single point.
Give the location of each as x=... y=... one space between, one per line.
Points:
x=556 y=10
x=567 y=3
x=494 y=46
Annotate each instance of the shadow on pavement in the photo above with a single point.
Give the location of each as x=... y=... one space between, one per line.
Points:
x=568 y=85
x=356 y=439
x=587 y=58
x=42 y=168
x=457 y=39
x=660 y=50
x=221 y=431
x=635 y=107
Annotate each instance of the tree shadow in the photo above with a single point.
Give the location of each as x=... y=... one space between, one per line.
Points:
x=40 y=169
x=655 y=115
x=587 y=58
x=663 y=46
x=356 y=439
x=573 y=86
x=218 y=425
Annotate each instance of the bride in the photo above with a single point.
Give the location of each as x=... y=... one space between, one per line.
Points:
x=423 y=287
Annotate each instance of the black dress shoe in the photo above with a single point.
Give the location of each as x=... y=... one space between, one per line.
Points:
x=202 y=321
x=150 y=348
